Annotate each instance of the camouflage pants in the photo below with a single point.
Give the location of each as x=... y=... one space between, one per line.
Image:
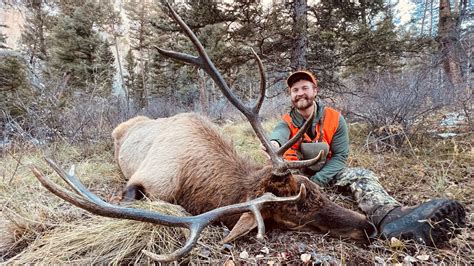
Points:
x=370 y=196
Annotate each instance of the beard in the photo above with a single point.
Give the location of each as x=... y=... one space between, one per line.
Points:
x=302 y=103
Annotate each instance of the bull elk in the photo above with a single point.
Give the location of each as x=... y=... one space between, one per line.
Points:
x=186 y=160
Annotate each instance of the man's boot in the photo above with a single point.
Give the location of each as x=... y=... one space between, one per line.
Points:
x=431 y=223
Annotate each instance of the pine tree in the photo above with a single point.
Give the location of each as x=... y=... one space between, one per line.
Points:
x=104 y=68
x=33 y=37
x=75 y=43
x=15 y=92
x=352 y=37
x=140 y=38
x=129 y=76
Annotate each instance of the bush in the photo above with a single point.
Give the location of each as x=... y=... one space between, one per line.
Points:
x=395 y=106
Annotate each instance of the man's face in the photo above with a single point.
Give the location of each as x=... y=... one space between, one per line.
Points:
x=303 y=93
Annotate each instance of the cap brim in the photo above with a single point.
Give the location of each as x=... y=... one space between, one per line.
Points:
x=298 y=76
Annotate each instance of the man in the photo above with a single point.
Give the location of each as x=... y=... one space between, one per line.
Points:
x=429 y=223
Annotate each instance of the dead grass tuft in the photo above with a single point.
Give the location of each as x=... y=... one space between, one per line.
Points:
x=91 y=240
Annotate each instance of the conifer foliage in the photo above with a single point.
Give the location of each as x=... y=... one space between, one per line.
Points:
x=78 y=48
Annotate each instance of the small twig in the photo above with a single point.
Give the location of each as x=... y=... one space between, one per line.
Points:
x=18 y=162
x=409 y=144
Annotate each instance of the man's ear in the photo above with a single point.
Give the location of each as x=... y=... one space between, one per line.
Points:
x=244 y=225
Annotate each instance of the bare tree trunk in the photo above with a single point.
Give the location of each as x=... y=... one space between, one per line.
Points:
x=122 y=82
x=431 y=18
x=448 y=38
x=119 y=62
x=203 y=91
x=142 y=90
x=300 y=39
x=424 y=17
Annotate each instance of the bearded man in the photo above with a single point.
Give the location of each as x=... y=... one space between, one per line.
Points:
x=431 y=223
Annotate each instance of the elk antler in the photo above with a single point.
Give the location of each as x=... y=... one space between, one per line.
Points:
x=280 y=167
x=83 y=198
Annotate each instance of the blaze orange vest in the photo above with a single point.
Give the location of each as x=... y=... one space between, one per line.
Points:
x=329 y=122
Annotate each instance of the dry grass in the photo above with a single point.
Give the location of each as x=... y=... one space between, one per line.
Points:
x=91 y=240
x=37 y=227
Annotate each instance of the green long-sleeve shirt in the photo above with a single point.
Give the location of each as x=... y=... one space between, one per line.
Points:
x=339 y=145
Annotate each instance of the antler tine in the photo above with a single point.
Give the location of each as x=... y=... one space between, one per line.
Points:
x=57 y=190
x=297 y=136
x=193 y=60
x=83 y=198
x=73 y=182
x=304 y=163
x=263 y=83
x=179 y=253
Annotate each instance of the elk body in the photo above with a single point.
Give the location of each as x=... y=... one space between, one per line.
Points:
x=186 y=160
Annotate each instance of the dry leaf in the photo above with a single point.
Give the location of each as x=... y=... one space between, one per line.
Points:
x=244 y=255
x=409 y=259
x=379 y=260
x=265 y=250
x=283 y=256
x=270 y=262
x=423 y=257
x=305 y=257
x=396 y=243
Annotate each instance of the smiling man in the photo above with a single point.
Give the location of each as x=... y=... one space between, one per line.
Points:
x=431 y=223
x=328 y=131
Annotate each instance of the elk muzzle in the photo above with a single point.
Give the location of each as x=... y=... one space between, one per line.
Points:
x=341 y=222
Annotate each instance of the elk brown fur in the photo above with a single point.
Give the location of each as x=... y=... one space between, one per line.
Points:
x=185 y=159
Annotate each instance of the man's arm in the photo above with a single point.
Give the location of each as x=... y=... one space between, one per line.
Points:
x=281 y=133
x=340 y=152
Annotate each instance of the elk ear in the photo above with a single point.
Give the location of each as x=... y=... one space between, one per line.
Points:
x=244 y=225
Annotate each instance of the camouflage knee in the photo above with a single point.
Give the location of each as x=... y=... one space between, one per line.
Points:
x=351 y=175
x=367 y=191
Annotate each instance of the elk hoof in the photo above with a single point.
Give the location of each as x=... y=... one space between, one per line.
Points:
x=431 y=223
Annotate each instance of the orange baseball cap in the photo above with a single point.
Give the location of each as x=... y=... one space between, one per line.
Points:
x=299 y=75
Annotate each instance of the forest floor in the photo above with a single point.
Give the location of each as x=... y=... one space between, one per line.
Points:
x=38 y=227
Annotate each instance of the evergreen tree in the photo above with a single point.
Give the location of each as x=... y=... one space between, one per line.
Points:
x=352 y=37
x=129 y=76
x=140 y=37
x=104 y=68
x=15 y=92
x=34 y=34
x=75 y=44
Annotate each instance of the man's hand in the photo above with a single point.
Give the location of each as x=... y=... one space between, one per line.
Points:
x=274 y=143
